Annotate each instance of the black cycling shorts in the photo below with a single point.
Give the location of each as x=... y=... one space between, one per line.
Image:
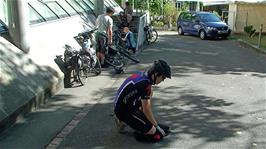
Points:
x=136 y=120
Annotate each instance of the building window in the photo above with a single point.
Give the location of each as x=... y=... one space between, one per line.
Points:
x=75 y=5
x=43 y=10
x=107 y=4
x=92 y=1
x=34 y=16
x=59 y=10
x=86 y=7
x=90 y=4
x=113 y=3
x=3 y=11
x=67 y=7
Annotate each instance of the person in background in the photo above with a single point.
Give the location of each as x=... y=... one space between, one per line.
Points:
x=128 y=12
x=104 y=24
x=129 y=39
x=122 y=20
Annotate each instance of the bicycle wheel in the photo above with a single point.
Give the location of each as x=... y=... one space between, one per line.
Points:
x=133 y=58
x=74 y=76
x=82 y=72
x=97 y=68
x=153 y=36
x=147 y=42
x=114 y=62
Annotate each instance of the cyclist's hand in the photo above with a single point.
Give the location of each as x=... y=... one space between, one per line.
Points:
x=160 y=130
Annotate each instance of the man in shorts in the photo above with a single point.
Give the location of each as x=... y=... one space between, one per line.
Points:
x=104 y=23
x=132 y=104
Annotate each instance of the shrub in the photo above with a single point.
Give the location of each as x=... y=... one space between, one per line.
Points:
x=158 y=23
x=250 y=30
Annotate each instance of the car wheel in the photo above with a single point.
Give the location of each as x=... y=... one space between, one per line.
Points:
x=180 y=31
x=224 y=37
x=202 y=34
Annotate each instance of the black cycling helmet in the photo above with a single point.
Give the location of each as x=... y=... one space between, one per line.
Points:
x=161 y=67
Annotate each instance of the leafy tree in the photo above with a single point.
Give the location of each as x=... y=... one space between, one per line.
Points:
x=185 y=6
x=118 y=2
x=155 y=7
x=170 y=13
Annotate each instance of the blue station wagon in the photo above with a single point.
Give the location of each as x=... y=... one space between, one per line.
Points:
x=202 y=24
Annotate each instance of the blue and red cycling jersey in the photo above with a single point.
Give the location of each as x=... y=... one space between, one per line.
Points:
x=135 y=88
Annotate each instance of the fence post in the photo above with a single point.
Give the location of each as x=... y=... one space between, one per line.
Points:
x=261 y=27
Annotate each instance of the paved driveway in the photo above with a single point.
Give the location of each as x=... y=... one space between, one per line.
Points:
x=215 y=99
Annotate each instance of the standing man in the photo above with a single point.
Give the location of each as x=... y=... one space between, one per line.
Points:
x=104 y=23
x=132 y=104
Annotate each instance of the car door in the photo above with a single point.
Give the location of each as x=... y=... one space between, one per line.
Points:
x=186 y=20
x=194 y=24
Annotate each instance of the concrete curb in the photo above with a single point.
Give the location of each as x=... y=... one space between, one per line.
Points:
x=250 y=46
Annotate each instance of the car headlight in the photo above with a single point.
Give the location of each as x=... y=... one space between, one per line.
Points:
x=211 y=28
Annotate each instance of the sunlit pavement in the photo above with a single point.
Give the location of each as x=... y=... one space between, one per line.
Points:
x=215 y=99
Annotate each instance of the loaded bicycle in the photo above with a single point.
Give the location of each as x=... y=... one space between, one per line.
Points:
x=83 y=62
x=74 y=70
x=91 y=63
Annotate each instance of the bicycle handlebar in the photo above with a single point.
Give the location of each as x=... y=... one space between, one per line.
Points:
x=86 y=34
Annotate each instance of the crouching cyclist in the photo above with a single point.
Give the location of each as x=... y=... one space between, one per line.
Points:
x=132 y=104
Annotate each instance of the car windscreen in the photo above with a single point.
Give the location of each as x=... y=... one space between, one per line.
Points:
x=209 y=18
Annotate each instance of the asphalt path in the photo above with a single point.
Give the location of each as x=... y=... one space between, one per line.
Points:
x=215 y=99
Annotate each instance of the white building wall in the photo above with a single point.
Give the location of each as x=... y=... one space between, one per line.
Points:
x=232 y=16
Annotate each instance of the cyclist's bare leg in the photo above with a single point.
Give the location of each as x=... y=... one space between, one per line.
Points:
x=98 y=56
x=102 y=55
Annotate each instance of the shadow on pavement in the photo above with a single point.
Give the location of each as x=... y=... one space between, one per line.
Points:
x=21 y=80
x=190 y=113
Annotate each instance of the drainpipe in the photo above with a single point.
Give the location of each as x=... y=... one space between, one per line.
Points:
x=100 y=8
x=18 y=22
x=133 y=4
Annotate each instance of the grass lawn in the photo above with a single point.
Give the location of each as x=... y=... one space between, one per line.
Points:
x=253 y=41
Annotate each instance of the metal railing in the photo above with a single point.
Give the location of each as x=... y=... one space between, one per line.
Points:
x=260 y=35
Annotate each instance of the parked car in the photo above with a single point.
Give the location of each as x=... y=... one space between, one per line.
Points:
x=202 y=24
